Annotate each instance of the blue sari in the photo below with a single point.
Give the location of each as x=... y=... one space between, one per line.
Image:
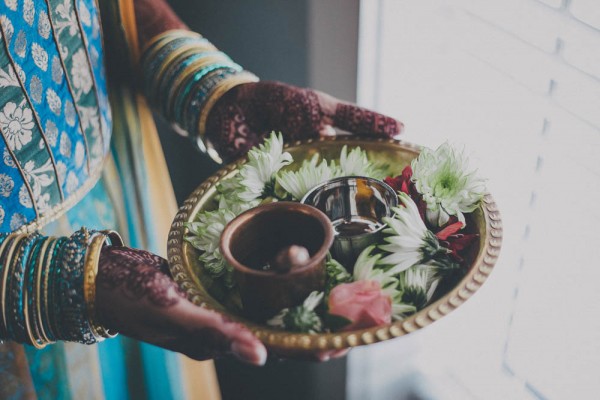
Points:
x=61 y=170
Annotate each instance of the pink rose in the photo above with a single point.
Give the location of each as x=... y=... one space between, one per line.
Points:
x=362 y=303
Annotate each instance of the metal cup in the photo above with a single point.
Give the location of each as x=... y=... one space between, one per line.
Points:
x=356 y=207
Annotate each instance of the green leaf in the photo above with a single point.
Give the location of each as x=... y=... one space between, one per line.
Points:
x=335 y=322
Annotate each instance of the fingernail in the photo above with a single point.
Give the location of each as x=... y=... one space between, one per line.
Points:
x=255 y=354
x=327 y=130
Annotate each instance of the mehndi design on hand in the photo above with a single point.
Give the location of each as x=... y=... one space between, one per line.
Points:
x=137 y=297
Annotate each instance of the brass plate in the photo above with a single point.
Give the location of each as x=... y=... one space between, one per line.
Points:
x=188 y=273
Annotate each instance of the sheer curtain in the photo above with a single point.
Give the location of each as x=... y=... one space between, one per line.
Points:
x=517 y=83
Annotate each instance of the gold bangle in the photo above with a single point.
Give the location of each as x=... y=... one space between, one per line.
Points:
x=191 y=69
x=46 y=273
x=33 y=331
x=181 y=52
x=170 y=34
x=218 y=92
x=115 y=240
x=6 y=242
x=177 y=54
x=32 y=339
x=197 y=65
x=44 y=263
x=92 y=259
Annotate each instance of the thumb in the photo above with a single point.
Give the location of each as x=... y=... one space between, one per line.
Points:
x=357 y=120
x=244 y=345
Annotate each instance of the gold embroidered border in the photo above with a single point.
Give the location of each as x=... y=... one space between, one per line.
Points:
x=58 y=210
x=89 y=61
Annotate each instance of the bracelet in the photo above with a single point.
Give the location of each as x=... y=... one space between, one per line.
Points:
x=185 y=76
x=220 y=90
x=11 y=244
x=48 y=287
x=193 y=96
x=92 y=259
x=16 y=307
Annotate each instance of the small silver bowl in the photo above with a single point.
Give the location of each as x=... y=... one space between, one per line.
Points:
x=356 y=206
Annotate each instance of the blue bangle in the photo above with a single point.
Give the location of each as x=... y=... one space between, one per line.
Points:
x=191 y=88
x=73 y=314
x=176 y=67
x=15 y=311
x=202 y=92
x=47 y=289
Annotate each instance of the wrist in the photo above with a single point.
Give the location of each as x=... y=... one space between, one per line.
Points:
x=184 y=77
x=47 y=287
x=154 y=17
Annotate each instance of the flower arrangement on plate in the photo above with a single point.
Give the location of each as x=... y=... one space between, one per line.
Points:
x=436 y=248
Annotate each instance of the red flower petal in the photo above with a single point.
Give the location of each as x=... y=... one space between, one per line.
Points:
x=449 y=230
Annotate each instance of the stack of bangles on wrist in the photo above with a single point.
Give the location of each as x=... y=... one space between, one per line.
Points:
x=48 y=287
x=184 y=76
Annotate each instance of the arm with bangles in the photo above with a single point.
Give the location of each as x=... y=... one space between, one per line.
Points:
x=246 y=113
x=135 y=293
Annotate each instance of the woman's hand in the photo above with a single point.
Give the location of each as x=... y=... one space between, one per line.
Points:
x=246 y=113
x=136 y=296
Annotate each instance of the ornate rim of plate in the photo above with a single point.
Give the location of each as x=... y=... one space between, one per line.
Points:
x=182 y=258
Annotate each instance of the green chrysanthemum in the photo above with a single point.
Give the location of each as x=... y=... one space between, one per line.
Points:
x=258 y=174
x=310 y=174
x=447 y=186
x=355 y=163
x=205 y=236
x=302 y=318
x=408 y=241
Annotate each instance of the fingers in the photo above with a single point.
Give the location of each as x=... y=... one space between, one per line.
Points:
x=328 y=355
x=244 y=345
x=208 y=334
x=357 y=120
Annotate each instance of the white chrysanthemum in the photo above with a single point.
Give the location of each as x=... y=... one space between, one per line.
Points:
x=310 y=174
x=206 y=235
x=408 y=240
x=237 y=207
x=448 y=188
x=355 y=163
x=365 y=269
x=263 y=164
x=417 y=285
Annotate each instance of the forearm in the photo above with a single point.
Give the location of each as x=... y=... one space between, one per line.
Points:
x=223 y=108
x=154 y=17
x=183 y=74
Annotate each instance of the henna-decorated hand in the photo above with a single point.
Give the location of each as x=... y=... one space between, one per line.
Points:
x=136 y=296
x=246 y=113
